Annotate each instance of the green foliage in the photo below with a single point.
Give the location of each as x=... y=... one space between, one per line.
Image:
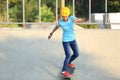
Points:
x=15 y=10
x=114 y=6
x=92 y=26
x=9 y=25
x=2 y=6
x=48 y=9
x=13 y=13
x=82 y=8
x=98 y=6
x=31 y=10
x=46 y=14
x=3 y=10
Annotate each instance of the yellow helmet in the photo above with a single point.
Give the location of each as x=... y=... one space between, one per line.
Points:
x=65 y=11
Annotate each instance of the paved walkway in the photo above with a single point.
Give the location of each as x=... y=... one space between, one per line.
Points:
x=29 y=55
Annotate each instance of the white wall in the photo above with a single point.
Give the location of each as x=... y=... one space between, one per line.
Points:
x=111 y=18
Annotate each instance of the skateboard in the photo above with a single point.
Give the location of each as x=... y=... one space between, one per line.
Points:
x=71 y=71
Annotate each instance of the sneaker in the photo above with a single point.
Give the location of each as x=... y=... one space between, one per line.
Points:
x=71 y=65
x=65 y=73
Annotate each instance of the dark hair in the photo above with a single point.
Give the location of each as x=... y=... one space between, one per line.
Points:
x=70 y=15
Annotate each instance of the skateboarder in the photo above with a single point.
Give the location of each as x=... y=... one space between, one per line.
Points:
x=68 y=38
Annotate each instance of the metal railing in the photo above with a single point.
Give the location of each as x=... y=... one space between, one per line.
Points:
x=73 y=4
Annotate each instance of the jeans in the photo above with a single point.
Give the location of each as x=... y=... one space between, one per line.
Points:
x=68 y=46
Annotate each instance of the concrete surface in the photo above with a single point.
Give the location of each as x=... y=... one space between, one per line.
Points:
x=29 y=55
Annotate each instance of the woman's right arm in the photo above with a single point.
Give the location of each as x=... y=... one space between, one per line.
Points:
x=54 y=29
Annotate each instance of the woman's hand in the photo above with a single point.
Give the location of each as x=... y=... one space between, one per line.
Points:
x=80 y=20
x=50 y=35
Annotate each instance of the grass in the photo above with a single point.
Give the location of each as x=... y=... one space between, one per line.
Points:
x=9 y=26
x=89 y=26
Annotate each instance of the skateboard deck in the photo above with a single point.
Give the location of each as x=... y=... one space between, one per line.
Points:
x=71 y=71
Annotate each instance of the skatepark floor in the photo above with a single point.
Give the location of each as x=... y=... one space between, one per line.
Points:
x=27 y=54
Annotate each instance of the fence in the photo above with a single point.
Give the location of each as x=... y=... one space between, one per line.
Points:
x=106 y=18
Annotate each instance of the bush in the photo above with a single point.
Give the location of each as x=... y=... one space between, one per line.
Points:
x=90 y=26
x=9 y=25
x=46 y=14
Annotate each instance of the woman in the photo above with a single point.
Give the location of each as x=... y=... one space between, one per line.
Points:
x=68 y=38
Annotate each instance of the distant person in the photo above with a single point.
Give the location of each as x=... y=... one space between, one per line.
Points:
x=68 y=38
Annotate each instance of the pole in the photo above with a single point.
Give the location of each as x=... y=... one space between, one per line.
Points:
x=62 y=3
x=73 y=7
x=105 y=11
x=7 y=12
x=56 y=11
x=89 y=11
x=39 y=11
x=24 y=25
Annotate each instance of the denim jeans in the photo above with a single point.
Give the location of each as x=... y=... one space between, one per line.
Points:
x=69 y=57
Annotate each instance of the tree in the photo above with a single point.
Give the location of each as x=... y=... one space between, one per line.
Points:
x=46 y=15
x=15 y=10
x=81 y=7
x=98 y=6
x=114 y=6
x=3 y=10
x=31 y=10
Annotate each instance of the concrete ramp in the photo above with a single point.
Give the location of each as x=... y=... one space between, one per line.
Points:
x=29 y=55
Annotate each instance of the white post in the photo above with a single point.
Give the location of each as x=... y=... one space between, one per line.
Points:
x=24 y=25
x=89 y=11
x=73 y=7
x=105 y=11
x=56 y=11
x=39 y=11
x=23 y=11
x=7 y=11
